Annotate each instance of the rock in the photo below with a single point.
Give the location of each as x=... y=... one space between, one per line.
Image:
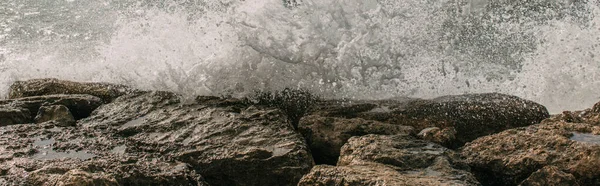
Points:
x=80 y=105
x=40 y=87
x=509 y=157
x=13 y=115
x=471 y=115
x=392 y=160
x=326 y=135
x=443 y=137
x=78 y=177
x=550 y=175
x=590 y=116
x=151 y=138
x=57 y=113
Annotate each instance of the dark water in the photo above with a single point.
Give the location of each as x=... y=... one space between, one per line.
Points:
x=545 y=51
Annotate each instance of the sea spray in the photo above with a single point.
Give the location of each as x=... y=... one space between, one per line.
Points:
x=545 y=51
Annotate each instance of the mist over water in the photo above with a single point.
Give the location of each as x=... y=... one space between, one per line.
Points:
x=546 y=51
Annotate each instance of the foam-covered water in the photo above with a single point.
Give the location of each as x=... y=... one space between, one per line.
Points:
x=546 y=51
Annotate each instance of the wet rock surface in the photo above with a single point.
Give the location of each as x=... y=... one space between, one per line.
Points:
x=470 y=115
x=55 y=132
x=154 y=139
x=509 y=157
x=57 y=113
x=25 y=110
x=39 y=87
x=326 y=135
x=392 y=160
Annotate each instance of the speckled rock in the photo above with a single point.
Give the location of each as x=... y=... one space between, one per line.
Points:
x=39 y=87
x=550 y=175
x=509 y=157
x=471 y=115
x=326 y=135
x=392 y=160
x=443 y=137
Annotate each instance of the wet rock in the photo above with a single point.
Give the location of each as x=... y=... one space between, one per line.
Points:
x=440 y=136
x=57 y=113
x=509 y=157
x=590 y=116
x=154 y=139
x=80 y=105
x=40 y=87
x=74 y=177
x=13 y=115
x=471 y=115
x=326 y=135
x=550 y=175
x=392 y=160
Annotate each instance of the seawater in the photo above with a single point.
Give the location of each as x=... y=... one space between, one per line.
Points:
x=546 y=51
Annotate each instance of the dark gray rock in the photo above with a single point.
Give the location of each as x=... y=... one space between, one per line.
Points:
x=471 y=115
x=24 y=110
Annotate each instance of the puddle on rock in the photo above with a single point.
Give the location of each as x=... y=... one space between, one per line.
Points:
x=134 y=123
x=45 y=152
x=120 y=150
x=586 y=138
x=382 y=109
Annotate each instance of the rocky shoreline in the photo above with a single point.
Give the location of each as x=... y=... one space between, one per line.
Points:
x=55 y=132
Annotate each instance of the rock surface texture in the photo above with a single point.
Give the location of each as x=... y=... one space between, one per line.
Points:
x=151 y=138
x=392 y=160
x=55 y=132
x=470 y=115
x=509 y=157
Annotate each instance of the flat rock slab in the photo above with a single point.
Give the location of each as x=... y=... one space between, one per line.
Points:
x=326 y=135
x=39 y=87
x=470 y=115
x=141 y=138
x=509 y=157
x=392 y=160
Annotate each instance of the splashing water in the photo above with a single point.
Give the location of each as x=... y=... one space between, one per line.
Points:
x=545 y=51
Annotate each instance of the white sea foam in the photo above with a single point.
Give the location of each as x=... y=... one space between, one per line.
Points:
x=363 y=49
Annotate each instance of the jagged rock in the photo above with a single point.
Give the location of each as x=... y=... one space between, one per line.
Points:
x=154 y=139
x=57 y=113
x=550 y=175
x=392 y=160
x=326 y=135
x=440 y=136
x=73 y=177
x=80 y=105
x=13 y=115
x=471 y=115
x=509 y=157
x=40 y=87
x=590 y=116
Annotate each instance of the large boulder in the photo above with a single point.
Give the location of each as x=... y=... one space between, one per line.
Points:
x=152 y=138
x=326 y=135
x=470 y=115
x=509 y=157
x=39 y=87
x=392 y=160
